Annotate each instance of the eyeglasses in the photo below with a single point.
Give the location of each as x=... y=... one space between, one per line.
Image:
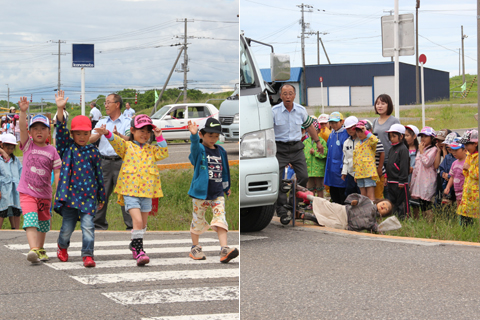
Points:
x=108 y=102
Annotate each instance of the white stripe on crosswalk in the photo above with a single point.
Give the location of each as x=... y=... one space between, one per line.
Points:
x=225 y=316
x=111 y=243
x=156 y=276
x=129 y=263
x=113 y=252
x=174 y=295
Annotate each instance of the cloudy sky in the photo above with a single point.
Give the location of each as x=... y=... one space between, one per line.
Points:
x=135 y=45
x=354 y=30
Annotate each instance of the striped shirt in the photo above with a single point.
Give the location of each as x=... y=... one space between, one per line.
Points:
x=379 y=150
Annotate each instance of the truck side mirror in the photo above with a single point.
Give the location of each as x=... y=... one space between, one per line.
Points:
x=280 y=66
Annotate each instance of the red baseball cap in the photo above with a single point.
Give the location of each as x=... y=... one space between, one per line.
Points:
x=81 y=123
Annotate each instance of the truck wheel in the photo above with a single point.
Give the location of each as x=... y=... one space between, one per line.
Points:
x=256 y=218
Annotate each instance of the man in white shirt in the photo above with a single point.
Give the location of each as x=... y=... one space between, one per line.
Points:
x=95 y=114
x=129 y=112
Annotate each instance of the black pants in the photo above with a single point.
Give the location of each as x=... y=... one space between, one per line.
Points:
x=400 y=198
x=110 y=170
x=351 y=186
x=338 y=195
x=293 y=154
x=96 y=143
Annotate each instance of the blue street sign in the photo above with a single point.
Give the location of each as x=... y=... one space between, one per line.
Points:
x=83 y=56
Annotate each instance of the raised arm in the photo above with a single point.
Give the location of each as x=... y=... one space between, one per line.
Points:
x=23 y=105
x=61 y=103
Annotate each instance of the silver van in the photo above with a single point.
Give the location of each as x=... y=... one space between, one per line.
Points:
x=258 y=164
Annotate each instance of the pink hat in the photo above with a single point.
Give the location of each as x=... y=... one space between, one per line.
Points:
x=141 y=121
x=428 y=131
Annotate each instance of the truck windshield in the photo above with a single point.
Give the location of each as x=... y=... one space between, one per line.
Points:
x=247 y=78
x=160 y=112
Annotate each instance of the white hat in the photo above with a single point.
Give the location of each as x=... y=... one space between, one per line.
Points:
x=397 y=128
x=9 y=139
x=350 y=122
x=413 y=128
x=323 y=118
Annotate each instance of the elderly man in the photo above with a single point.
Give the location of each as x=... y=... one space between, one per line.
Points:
x=129 y=112
x=111 y=162
x=288 y=120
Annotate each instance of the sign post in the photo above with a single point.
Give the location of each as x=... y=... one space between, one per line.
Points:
x=83 y=57
x=321 y=92
x=423 y=59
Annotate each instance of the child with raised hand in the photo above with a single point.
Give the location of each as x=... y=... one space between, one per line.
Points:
x=398 y=165
x=139 y=178
x=315 y=163
x=468 y=210
x=366 y=175
x=211 y=180
x=411 y=141
x=81 y=187
x=35 y=187
x=457 y=178
x=10 y=172
x=424 y=175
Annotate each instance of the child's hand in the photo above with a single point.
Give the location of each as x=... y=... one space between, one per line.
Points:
x=343 y=177
x=0 y=195
x=312 y=151
x=361 y=128
x=59 y=99
x=355 y=179
x=379 y=172
x=466 y=166
x=320 y=149
x=23 y=104
x=102 y=129
x=445 y=176
x=192 y=127
x=421 y=147
x=157 y=132
x=115 y=130
x=229 y=192
x=100 y=206
x=447 y=190
x=410 y=170
x=354 y=202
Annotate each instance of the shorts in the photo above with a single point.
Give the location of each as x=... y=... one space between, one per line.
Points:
x=366 y=183
x=10 y=212
x=36 y=212
x=379 y=188
x=144 y=204
x=199 y=224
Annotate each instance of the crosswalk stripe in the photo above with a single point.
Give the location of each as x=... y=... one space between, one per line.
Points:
x=174 y=295
x=129 y=263
x=156 y=276
x=225 y=316
x=185 y=249
x=112 y=243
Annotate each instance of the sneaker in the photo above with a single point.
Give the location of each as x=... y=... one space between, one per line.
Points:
x=88 y=262
x=62 y=254
x=197 y=254
x=142 y=259
x=134 y=251
x=42 y=254
x=32 y=256
x=228 y=254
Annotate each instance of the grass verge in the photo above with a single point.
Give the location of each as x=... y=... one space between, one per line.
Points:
x=174 y=209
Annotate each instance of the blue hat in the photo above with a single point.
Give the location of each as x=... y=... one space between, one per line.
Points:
x=455 y=145
x=39 y=118
x=335 y=116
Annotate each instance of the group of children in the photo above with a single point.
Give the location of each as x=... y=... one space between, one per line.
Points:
x=76 y=166
x=412 y=175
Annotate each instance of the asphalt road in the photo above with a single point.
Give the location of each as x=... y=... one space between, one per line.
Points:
x=297 y=273
x=178 y=152
x=172 y=284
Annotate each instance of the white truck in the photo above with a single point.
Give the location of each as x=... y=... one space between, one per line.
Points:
x=259 y=176
x=229 y=116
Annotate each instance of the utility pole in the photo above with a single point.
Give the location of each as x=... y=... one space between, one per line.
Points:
x=416 y=53
x=304 y=26
x=463 y=57
x=59 y=42
x=459 y=62
x=185 y=68
x=318 y=45
x=8 y=97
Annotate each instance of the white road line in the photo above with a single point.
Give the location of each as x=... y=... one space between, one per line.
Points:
x=225 y=316
x=130 y=263
x=157 y=276
x=113 y=252
x=407 y=241
x=112 y=243
x=174 y=295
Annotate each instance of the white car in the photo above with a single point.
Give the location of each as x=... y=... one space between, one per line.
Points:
x=173 y=118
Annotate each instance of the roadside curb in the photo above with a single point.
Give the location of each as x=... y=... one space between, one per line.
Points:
x=300 y=224
x=187 y=165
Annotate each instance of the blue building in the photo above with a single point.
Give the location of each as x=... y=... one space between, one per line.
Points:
x=358 y=84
